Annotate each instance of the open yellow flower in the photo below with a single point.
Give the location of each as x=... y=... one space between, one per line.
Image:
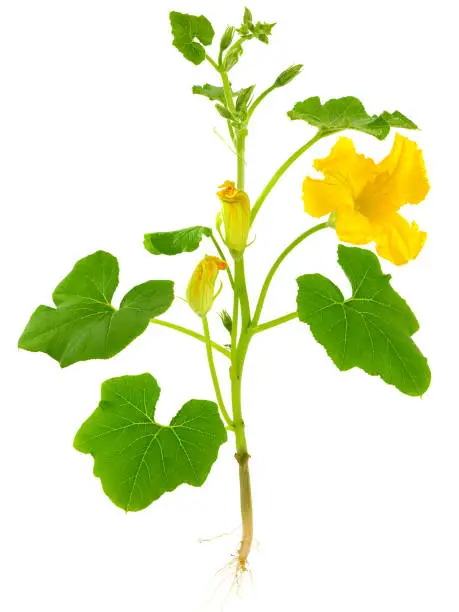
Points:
x=201 y=288
x=366 y=196
x=236 y=215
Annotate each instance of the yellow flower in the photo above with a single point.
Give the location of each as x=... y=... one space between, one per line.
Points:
x=200 y=291
x=366 y=197
x=236 y=215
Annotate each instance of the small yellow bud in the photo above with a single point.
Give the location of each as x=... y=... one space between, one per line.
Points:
x=201 y=288
x=236 y=215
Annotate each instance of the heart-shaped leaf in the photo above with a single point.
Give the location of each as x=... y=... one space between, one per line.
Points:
x=372 y=329
x=186 y=29
x=84 y=325
x=136 y=458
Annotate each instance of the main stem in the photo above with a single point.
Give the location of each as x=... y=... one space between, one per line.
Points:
x=238 y=352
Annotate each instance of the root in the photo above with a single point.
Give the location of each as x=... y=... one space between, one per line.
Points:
x=246 y=513
x=237 y=568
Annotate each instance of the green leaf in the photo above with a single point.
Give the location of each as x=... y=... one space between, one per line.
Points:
x=187 y=28
x=346 y=113
x=136 y=458
x=84 y=325
x=212 y=92
x=372 y=329
x=172 y=243
x=396 y=119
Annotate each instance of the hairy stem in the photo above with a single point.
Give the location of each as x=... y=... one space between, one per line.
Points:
x=212 y=62
x=238 y=352
x=275 y=322
x=228 y=92
x=213 y=373
x=260 y=99
x=277 y=263
x=193 y=334
x=222 y=256
x=282 y=170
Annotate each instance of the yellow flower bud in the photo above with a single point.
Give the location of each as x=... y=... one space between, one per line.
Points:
x=201 y=288
x=236 y=215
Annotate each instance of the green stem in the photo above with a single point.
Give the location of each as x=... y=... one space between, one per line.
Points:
x=193 y=334
x=212 y=62
x=277 y=175
x=222 y=256
x=241 y=290
x=260 y=99
x=228 y=92
x=240 y=148
x=275 y=322
x=231 y=133
x=238 y=352
x=213 y=373
x=277 y=263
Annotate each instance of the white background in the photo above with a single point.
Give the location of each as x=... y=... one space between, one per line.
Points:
x=356 y=495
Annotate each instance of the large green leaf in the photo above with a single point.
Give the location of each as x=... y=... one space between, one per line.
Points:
x=84 y=325
x=180 y=241
x=347 y=113
x=372 y=329
x=136 y=458
x=186 y=29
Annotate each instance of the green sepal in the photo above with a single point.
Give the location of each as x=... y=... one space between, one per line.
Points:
x=370 y=330
x=347 y=113
x=136 y=458
x=226 y=320
x=180 y=241
x=85 y=325
x=247 y=18
x=186 y=29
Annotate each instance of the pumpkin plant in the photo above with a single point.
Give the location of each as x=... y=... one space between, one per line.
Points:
x=370 y=326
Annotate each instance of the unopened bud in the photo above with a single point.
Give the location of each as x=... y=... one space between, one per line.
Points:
x=236 y=215
x=201 y=288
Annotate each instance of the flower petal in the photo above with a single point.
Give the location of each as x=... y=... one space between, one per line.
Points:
x=401 y=180
x=321 y=197
x=353 y=227
x=399 y=241
x=346 y=166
